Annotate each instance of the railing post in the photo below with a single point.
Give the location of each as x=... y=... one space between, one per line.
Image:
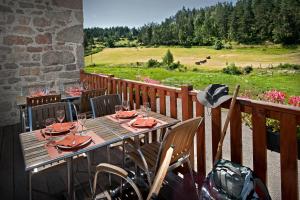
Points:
x=109 y=84
x=186 y=102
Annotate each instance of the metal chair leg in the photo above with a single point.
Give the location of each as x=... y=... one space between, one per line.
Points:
x=30 y=186
x=89 y=170
x=192 y=177
x=108 y=160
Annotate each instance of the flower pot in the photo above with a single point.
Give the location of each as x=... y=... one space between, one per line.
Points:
x=273 y=141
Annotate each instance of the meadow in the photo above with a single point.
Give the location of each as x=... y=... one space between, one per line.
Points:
x=122 y=63
x=257 y=56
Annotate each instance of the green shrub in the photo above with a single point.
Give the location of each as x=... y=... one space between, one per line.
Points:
x=228 y=45
x=218 y=45
x=168 y=59
x=289 y=66
x=195 y=69
x=247 y=69
x=152 y=63
x=232 y=69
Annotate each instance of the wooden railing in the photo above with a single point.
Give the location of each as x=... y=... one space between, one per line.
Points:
x=289 y=117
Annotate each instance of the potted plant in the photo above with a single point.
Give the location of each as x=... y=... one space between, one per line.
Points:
x=273 y=126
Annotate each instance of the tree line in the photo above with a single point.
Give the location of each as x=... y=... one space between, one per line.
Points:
x=246 y=21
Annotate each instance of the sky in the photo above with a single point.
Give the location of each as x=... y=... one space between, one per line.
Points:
x=134 y=13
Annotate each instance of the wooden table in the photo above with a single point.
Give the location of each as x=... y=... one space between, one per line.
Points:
x=37 y=155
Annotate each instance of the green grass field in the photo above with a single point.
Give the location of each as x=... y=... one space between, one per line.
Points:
x=257 y=56
x=258 y=81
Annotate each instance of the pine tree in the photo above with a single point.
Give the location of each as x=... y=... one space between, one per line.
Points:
x=168 y=59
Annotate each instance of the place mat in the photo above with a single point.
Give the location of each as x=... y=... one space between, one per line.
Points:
x=133 y=129
x=54 y=152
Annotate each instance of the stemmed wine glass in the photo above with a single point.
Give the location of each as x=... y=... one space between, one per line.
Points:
x=49 y=129
x=60 y=116
x=118 y=108
x=81 y=119
x=145 y=109
x=125 y=105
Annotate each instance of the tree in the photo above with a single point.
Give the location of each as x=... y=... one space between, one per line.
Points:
x=168 y=59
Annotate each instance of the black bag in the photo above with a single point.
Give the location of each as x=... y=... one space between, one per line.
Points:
x=228 y=180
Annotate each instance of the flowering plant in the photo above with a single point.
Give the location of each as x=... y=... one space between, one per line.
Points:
x=273 y=96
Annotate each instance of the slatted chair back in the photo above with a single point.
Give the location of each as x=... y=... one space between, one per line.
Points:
x=85 y=105
x=182 y=137
x=37 y=114
x=105 y=104
x=45 y=99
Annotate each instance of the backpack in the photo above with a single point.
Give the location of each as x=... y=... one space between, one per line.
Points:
x=229 y=180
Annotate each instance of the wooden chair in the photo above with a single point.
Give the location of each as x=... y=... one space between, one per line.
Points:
x=40 y=100
x=154 y=190
x=37 y=114
x=105 y=104
x=85 y=106
x=149 y=157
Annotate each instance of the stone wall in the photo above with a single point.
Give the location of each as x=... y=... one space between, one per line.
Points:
x=40 y=42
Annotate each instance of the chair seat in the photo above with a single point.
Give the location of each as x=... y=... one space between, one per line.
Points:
x=150 y=152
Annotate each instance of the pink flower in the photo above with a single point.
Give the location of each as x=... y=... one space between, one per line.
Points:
x=274 y=96
x=294 y=100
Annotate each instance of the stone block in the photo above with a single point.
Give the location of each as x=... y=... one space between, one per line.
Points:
x=5 y=50
x=24 y=20
x=30 y=64
x=79 y=16
x=41 y=22
x=34 y=49
x=5 y=9
x=69 y=75
x=25 y=5
x=52 y=68
x=43 y=38
x=36 y=57
x=24 y=71
x=37 y=12
x=13 y=80
x=35 y=71
x=72 y=4
x=30 y=79
x=17 y=40
x=71 y=34
x=10 y=66
x=71 y=67
x=5 y=106
x=51 y=58
x=23 y=30
x=67 y=57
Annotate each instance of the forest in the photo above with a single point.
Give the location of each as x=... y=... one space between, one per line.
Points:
x=245 y=22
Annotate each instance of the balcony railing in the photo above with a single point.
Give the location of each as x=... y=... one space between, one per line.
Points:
x=289 y=117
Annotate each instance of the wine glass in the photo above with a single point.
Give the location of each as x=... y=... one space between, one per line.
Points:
x=81 y=119
x=60 y=116
x=118 y=108
x=125 y=105
x=145 y=108
x=49 y=129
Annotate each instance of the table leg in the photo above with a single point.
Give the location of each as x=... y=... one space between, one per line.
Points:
x=71 y=195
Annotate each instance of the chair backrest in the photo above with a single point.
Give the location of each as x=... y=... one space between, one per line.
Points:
x=37 y=114
x=182 y=137
x=105 y=104
x=85 y=105
x=45 y=99
x=112 y=169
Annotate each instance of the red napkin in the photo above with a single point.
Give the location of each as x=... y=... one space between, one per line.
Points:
x=144 y=122
x=69 y=139
x=71 y=93
x=126 y=114
x=63 y=127
x=37 y=94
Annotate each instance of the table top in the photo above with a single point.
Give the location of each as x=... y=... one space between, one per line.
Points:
x=108 y=131
x=21 y=100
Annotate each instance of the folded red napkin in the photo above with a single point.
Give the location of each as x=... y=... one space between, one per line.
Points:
x=63 y=127
x=71 y=93
x=37 y=94
x=126 y=114
x=68 y=141
x=144 y=122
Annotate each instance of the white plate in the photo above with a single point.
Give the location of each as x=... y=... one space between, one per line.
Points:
x=78 y=146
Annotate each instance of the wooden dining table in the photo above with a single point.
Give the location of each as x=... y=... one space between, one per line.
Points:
x=104 y=131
